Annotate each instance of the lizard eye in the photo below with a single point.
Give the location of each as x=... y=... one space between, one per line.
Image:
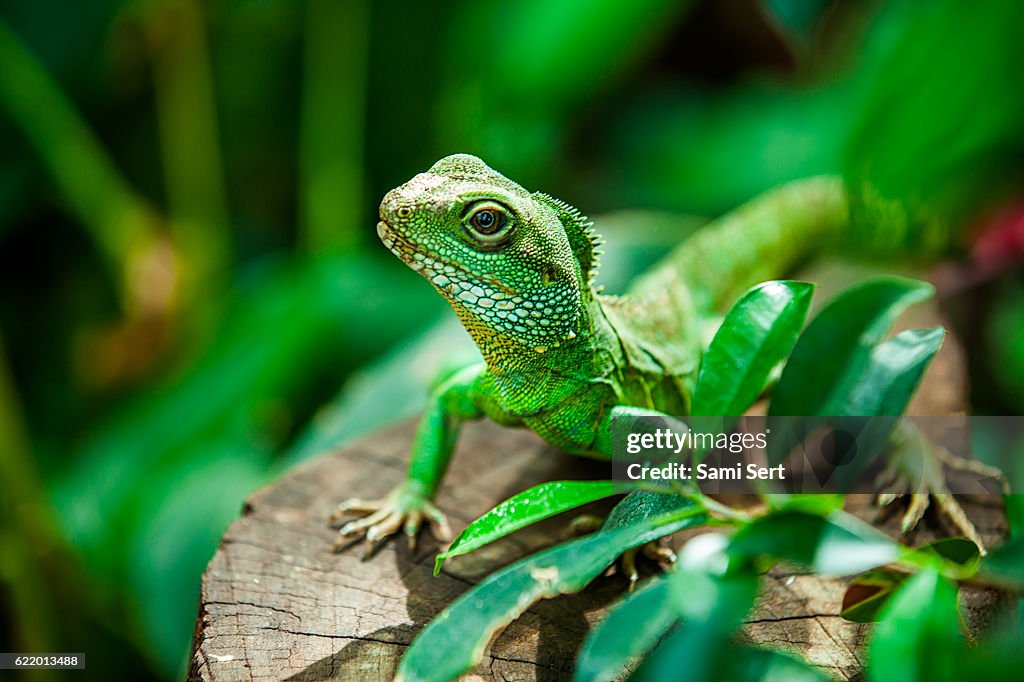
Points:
x=489 y=223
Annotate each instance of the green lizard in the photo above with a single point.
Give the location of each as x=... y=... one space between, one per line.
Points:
x=560 y=358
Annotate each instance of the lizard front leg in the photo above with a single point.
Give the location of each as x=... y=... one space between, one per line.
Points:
x=451 y=403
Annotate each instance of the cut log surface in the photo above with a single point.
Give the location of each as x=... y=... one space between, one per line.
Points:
x=277 y=603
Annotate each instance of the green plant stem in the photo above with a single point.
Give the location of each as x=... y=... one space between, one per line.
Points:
x=120 y=222
x=706 y=502
x=723 y=510
x=189 y=140
x=333 y=113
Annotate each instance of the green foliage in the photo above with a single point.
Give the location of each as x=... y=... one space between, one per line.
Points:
x=1005 y=566
x=960 y=551
x=901 y=145
x=1004 y=338
x=917 y=632
x=1015 y=512
x=838 y=544
x=686 y=620
x=710 y=602
x=848 y=327
x=757 y=334
x=861 y=379
x=869 y=592
x=187 y=192
x=893 y=371
x=520 y=510
x=454 y=641
x=633 y=626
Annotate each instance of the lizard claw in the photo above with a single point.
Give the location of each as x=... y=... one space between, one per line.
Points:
x=916 y=467
x=653 y=550
x=400 y=510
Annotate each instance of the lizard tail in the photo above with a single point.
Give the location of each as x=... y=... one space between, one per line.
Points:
x=769 y=236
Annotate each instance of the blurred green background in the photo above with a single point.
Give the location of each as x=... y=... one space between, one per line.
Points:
x=192 y=297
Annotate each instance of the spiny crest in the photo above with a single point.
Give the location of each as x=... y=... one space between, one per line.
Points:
x=583 y=240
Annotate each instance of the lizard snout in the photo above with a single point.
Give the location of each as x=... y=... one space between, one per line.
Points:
x=395 y=208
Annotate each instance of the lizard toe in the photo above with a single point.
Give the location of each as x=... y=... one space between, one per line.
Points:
x=915 y=512
x=438 y=523
x=360 y=525
x=351 y=507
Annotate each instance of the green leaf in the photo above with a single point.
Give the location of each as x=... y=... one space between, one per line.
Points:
x=756 y=335
x=913 y=141
x=845 y=330
x=918 y=633
x=747 y=664
x=868 y=592
x=711 y=603
x=1005 y=566
x=838 y=544
x=1015 y=513
x=631 y=628
x=960 y=551
x=455 y=640
x=537 y=503
x=881 y=393
x=892 y=374
x=819 y=504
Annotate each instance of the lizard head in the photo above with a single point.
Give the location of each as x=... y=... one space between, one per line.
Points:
x=513 y=264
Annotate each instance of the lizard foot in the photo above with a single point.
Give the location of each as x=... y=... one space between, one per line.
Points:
x=917 y=467
x=654 y=550
x=400 y=509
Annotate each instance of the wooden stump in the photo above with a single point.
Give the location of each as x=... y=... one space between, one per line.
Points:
x=276 y=603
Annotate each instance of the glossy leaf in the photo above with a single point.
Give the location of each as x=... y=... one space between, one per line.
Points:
x=845 y=329
x=455 y=640
x=820 y=504
x=845 y=332
x=1005 y=566
x=756 y=335
x=881 y=393
x=839 y=544
x=960 y=551
x=711 y=603
x=918 y=633
x=892 y=374
x=521 y=510
x=631 y=628
x=867 y=593
x=1015 y=513
x=747 y=664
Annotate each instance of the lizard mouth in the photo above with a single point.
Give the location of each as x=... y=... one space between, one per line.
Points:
x=440 y=274
x=396 y=244
x=423 y=263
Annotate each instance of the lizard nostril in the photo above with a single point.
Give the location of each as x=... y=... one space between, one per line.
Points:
x=403 y=212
